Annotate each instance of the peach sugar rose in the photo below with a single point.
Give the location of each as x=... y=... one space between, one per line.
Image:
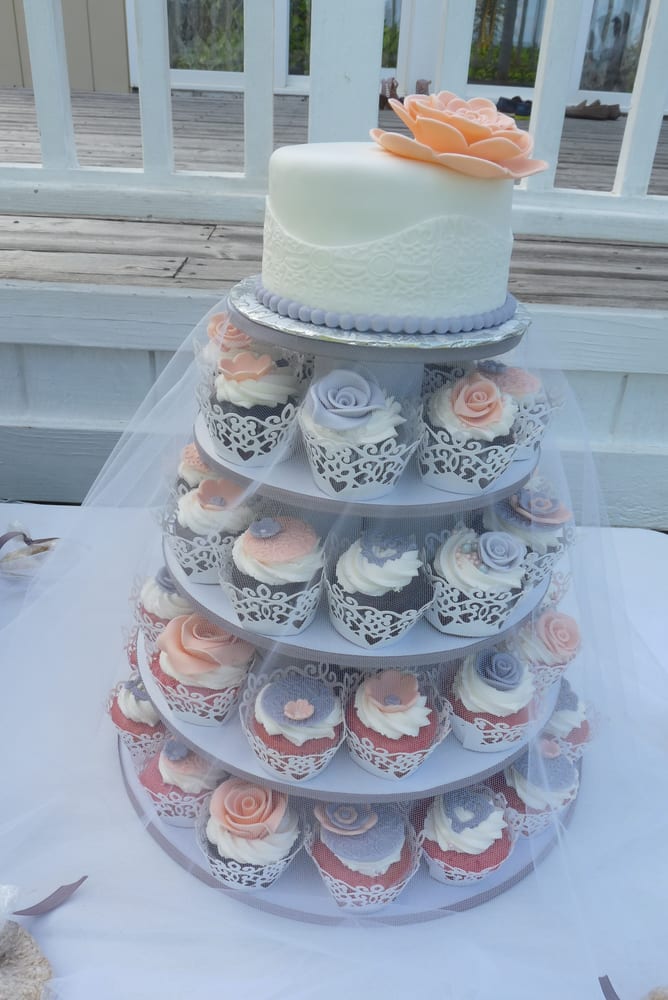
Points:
x=247 y=811
x=476 y=401
x=469 y=137
x=559 y=633
x=196 y=646
x=226 y=334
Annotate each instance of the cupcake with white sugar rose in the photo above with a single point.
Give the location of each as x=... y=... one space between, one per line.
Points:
x=192 y=470
x=137 y=720
x=249 y=834
x=251 y=409
x=294 y=724
x=478 y=580
x=534 y=409
x=203 y=523
x=178 y=781
x=547 y=643
x=537 y=517
x=468 y=440
x=159 y=601
x=539 y=786
x=465 y=836
x=569 y=723
x=200 y=668
x=366 y=854
x=358 y=438
x=393 y=724
x=493 y=701
x=376 y=588
x=272 y=575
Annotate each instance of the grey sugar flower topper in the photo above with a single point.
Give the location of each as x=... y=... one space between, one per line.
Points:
x=344 y=399
x=265 y=527
x=164 y=580
x=135 y=686
x=557 y=773
x=280 y=693
x=502 y=671
x=500 y=551
x=380 y=548
x=175 y=751
x=467 y=808
x=567 y=700
x=385 y=837
x=491 y=367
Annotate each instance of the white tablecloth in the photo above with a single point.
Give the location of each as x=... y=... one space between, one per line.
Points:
x=141 y=927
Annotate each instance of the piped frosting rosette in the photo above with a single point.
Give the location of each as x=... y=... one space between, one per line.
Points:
x=248 y=833
x=477 y=579
x=202 y=523
x=376 y=586
x=394 y=722
x=200 y=669
x=548 y=643
x=468 y=439
x=534 y=410
x=537 y=517
x=177 y=780
x=465 y=836
x=569 y=723
x=366 y=854
x=136 y=719
x=250 y=409
x=293 y=719
x=494 y=706
x=273 y=575
x=158 y=602
x=539 y=786
x=358 y=439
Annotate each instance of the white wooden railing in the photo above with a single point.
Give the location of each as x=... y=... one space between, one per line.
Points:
x=346 y=44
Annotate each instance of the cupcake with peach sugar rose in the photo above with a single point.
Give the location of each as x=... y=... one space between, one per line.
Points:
x=547 y=643
x=468 y=440
x=224 y=341
x=534 y=409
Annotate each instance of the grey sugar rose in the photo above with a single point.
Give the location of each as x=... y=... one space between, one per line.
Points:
x=344 y=399
x=501 y=671
x=499 y=550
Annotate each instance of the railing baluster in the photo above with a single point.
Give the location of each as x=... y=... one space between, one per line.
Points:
x=155 y=97
x=650 y=91
x=258 y=88
x=452 y=68
x=48 y=65
x=281 y=42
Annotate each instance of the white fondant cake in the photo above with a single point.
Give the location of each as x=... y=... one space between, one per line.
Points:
x=352 y=229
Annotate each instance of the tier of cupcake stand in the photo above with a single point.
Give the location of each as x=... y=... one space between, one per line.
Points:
x=300 y=892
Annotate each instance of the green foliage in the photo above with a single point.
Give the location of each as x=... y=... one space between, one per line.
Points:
x=390 y=45
x=483 y=66
x=206 y=34
x=300 y=37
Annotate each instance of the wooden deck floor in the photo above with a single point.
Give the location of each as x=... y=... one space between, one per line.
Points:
x=208 y=134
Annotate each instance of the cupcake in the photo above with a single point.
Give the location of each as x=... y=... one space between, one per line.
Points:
x=200 y=668
x=159 y=602
x=547 y=643
x=568 y=723
x=249 y=834
x=224 y=340
x=392 y=726
x=533 y=406
x=477 y=580
x=272 y=575
x=365 y=854
x=537 y=517
x=192 y=470
x=178 y=781
x=203 y=523
x=357 y=438
x=539 y=786
x=492 y=699
x=468 y=441
x=137 y=720
x=295 y=725
x=465 y=835
x=378 y=590
x=251 y=412
x=436 y=376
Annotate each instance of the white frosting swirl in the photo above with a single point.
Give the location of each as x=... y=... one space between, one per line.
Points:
x=376 y=867
x=441 y=414
x=137 y=710
x=565 y=720
x=381 y=426
x=470 y=840
x=216 y=679
x=478 y=696
x=536 y=797
x=323 y=730
x=262 y=850
x=538 y=537
x=357 y=575
x=194 y=783
x=270 y=390
x=201 y=520
x=161 y=603
x=191 y=475
x=393 y=725
x=464 y=570
x=296 y=571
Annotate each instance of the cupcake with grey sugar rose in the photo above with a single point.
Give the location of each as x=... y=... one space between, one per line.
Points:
x=377 y=590
x=358 y=438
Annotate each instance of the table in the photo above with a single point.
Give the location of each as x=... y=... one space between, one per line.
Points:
x=142 y=928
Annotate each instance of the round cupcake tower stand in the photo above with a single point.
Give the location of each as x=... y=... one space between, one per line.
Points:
x=300 y=892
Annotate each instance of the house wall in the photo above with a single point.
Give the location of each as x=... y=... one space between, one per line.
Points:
x=96 y=38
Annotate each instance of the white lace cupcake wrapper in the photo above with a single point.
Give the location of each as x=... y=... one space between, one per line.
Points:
x=142 y=748
x=459 y=465
x=532 y=420
x=436 y=377
x=176 y=808
x=366 y=626
x=397 y=765
x=248 y=440
x=475 y=615
x=489 y=737
x=203 y=707
x=539 y=565
x=268 y=610
x=529 y=824
x=441 y=871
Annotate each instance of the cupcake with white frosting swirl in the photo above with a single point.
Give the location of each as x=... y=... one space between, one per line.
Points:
x=178 y=781
x=468 y=441
x=547 y=643
x=136 y=719
x=493 y=700
x=478 y=580
x=377 y=589
x=393 y=724
x=569 y=723
x=192 y=470
x=539 y=785
x=533 y=406
x=159 y=601
x=465 y=835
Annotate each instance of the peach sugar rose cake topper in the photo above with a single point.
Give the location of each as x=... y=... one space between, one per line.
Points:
x=469 y=137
